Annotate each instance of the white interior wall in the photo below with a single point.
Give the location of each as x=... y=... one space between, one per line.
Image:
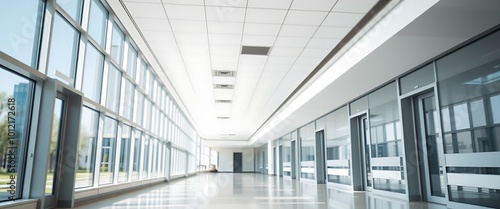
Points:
x=226 y=159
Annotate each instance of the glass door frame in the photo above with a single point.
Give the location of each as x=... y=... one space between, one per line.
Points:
x=64 y=193
x=358 y=150
x=50 y=199
x=422 y=142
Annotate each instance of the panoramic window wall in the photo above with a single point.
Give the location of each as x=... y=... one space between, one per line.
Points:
x=118 y=85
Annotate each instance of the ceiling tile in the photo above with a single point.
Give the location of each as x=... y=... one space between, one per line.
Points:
x=291 y=41
x=158 y=36
x=225 y=49
x=305 y=17
x=224 y=80
x=224 y=39
x=278 y=67
x=226 y=3
x=153 y=24
x=193 y=50
x=189 y=26
x=231 y=66
x=332 y=32
x=275 y=60
x=328 y=43
x=357 y=6
x=298 y=30
x=225 y=94
x=311 y=62
x=276 y=4
x=262 y=29
x=315 y=52
x=185 y=12
x=316 y=5
x=254 y=40
x=337 y=19
x=225 y=14
x=148 y=10
x=188 y=2
x=285 y=51
x=225 y=27
x=191 y=38
x=252 y=61
x=217 y=58
x=265 y=16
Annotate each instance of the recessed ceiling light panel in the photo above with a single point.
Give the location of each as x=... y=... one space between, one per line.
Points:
x=255 y=50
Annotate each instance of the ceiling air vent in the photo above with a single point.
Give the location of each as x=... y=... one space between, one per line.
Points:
x=223 y=118
x=224 y=73
x=223 y=101
x=255 y=50
x=224 y=86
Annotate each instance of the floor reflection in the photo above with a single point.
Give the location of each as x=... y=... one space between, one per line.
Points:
x=250 y=191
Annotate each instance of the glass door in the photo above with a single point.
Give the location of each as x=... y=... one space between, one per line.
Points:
x=431 y=149
x=53 y=158
x=365 y=141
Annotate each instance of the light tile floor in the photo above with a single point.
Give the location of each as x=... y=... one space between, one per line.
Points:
x=249 y=191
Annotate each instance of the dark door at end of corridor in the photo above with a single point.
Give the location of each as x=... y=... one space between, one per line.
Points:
x=237 y=162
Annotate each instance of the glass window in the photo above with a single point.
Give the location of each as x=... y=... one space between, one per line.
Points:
x=86 y=148
x=468 y=88
x=137 y=155
x=495 y=102
x=21 y=33
x=97 y=22
x=461 y=116
x=384 y=121
x=127 y=105
x=63 y=51
x=125 y=153
x=477 y=113
x=72 y=7
x=131 y=61
x=117 y=42
x=143 y=72
x=92 y=73
x=145 y=162
x=139 y=103
x=16 y=93
x=108 y=148
x=147 y=114
x=151 y=82
x=113 y=91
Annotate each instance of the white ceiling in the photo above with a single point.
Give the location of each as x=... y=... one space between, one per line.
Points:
x=191 y=38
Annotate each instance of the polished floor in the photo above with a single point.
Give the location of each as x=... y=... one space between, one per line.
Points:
x=249 y=191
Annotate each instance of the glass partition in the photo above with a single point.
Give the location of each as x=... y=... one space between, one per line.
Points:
x=286 y=155
x=386 y=140
x=469 y=88
x=307 y=151
x=338 y=147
